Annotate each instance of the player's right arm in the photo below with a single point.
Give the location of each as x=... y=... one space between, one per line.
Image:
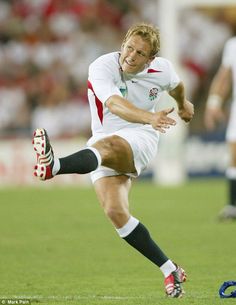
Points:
x=127 y=111
x=218 y=92
x=102 y=75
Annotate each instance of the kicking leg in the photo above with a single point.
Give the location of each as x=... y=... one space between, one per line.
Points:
x=82 y=162
x=113 y=193
x=113 y=152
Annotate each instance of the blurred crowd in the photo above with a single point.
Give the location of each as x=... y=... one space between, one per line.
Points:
x=45 y=49
x=203 y=33
x=47 y=45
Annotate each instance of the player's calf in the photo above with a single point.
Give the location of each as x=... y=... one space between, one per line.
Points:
x=81 y=162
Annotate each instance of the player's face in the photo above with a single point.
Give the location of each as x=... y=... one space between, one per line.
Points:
x=135 y=55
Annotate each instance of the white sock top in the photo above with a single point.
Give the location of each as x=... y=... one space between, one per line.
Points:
x=56 y=166
x=167 y=268
x=128 y=227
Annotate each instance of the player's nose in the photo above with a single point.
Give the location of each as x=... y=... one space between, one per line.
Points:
x=132 y=55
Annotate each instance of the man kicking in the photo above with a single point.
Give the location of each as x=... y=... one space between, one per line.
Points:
x=123 y=90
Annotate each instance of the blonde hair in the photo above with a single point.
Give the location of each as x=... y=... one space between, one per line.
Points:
x=149 y=33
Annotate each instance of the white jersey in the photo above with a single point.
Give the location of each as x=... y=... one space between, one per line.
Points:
x=229 y=60
x=142 y=89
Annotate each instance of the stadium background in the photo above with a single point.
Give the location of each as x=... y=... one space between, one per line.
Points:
x=45 y=49
x=56 y=247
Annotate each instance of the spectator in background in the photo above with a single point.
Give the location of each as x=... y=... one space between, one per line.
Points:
x=61 y=108
x=195 y=30
x=219 y=91
x=14 y=114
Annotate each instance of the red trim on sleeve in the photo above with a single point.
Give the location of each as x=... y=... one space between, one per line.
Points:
x=153 y=71
x=99 y=104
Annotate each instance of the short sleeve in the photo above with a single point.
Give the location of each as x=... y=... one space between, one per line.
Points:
x=102 y=79
x=174 y=78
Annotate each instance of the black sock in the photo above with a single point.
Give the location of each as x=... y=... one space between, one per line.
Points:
x=81 y=162
x=141 y=240
x=232 y=192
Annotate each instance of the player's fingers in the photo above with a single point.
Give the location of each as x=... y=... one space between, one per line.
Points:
x=164 y=125
x=166 y=122
x=170 y=121
x=185 y=116
x=169 y=110
x=162 y=130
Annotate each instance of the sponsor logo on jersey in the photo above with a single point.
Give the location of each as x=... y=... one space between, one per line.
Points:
x=153 y=94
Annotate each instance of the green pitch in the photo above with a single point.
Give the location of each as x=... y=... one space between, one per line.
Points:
x=57 y=247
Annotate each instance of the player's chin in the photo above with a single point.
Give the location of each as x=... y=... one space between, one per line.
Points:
x=129 y=69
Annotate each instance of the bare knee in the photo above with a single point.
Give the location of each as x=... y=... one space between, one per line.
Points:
x=116 y=153
x=113 y=194
x=118 y=216
x=107 y=146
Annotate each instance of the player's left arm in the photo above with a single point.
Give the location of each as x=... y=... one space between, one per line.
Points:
x=185 y=107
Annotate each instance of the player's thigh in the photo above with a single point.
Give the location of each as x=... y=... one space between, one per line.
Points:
x=113 y=192
x=116 y=153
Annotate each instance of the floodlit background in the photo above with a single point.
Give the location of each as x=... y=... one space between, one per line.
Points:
x=45 y=49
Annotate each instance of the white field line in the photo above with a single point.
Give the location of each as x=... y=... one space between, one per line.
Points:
x=71 y=297
x=100 y=297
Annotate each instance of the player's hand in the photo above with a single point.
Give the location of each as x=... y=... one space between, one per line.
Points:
x=212 y=117
x=186 y=112
x=161 y=121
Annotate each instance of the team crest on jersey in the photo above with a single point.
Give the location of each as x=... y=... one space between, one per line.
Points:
x=153 y=94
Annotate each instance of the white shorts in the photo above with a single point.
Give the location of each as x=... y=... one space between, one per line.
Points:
x=144 y=144
x=231 y=128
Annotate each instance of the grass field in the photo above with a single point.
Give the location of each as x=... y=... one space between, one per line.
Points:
x=57 y=247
